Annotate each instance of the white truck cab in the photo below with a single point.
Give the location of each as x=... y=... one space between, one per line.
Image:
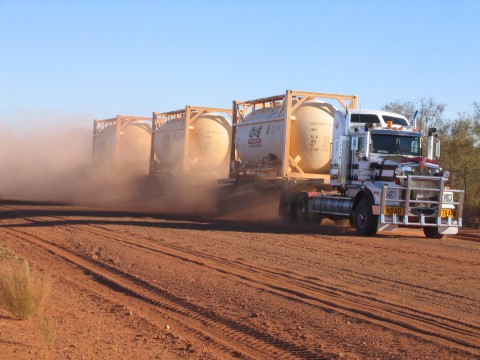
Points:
x=382 y=179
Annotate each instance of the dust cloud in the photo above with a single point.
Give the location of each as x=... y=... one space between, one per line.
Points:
x=43 y=165
x=246 y=202
x=55 y=165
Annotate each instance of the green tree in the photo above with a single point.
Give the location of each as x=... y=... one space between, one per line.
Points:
x=461 y=155
x=476 y=120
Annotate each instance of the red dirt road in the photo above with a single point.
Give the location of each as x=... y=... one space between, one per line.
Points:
x=130 y=285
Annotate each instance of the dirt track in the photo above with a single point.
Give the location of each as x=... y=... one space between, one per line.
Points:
x=128 y=285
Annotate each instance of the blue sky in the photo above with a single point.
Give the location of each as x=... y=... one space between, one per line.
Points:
x=72 y=61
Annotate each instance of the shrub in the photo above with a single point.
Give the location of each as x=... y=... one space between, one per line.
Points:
x=22 y=290
x=47 y=331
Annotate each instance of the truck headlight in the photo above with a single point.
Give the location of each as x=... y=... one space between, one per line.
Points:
x=398 y=171
x=448 y=197
x=391 y=195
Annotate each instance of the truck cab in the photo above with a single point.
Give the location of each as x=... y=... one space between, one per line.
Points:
x=383 y=179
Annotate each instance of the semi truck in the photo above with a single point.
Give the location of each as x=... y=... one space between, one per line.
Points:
x=336 y=161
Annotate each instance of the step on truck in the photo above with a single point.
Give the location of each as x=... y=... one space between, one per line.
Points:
x=328 y=159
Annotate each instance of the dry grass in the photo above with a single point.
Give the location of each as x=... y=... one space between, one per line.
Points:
x=22 y=290
x=7 y=254
x=47 y=331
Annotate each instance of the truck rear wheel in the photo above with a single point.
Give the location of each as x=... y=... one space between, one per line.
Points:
x=302 y=209
x=365 y=222
x=431 y=232
x=304 y=216
x=287 y=207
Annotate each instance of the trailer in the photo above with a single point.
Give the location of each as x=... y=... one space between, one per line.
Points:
x=280 y=143
x=122 y=142
x=192 y=140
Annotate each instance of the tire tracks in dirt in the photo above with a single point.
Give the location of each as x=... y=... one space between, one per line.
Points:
x=429 y=326
x=237 y=340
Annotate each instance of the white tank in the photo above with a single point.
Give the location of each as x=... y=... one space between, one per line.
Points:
x=133 y=147
x=208 y=146
x=311 y=135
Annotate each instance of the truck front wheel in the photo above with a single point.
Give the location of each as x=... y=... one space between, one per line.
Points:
x=431 y=232
x=365 y=222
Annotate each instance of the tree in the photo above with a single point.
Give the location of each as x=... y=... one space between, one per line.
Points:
x=405 y=108
x=430 y=112
x=476 y=119
x=461 y=155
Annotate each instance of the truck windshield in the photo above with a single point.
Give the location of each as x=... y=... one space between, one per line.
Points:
x=396 y=145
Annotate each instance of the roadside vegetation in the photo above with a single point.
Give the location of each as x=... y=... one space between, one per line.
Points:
x=23 y=289
x=460 y=153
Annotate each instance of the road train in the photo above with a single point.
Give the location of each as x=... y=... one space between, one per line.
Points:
x=324 y=157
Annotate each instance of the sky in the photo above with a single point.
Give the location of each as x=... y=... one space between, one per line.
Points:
x=68 y=62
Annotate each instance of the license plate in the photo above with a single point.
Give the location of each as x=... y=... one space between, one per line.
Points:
x=449 y=213
x=397 y=210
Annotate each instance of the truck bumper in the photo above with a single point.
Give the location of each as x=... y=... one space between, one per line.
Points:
x=413 y=212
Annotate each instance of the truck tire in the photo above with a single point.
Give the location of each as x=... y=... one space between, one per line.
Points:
x=431 y=232
x=351 y=220
x=302 y=209
x=222 y=205
x=304 y=217
x=365 y=222
x=287 y=207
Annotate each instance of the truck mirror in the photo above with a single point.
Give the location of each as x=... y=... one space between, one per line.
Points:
x=432 y=141
x=437 y=149
x=354 y=145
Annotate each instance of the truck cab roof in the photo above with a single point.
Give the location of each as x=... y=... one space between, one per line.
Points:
x=366 y=116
